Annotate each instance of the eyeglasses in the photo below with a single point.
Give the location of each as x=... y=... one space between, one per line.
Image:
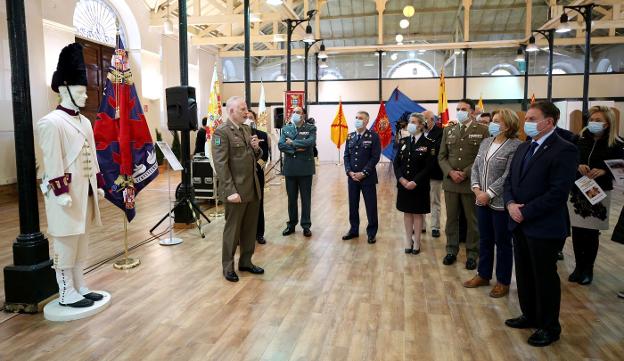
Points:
x=298 y=112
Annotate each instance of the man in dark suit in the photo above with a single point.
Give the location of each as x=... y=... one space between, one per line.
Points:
x=263 y=138
x=361 y=156
x=536 y=190
x=572 y=138
x=434 y=133
x=200 y=140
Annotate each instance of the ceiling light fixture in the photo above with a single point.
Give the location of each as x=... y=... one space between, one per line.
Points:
x=409 y=11
x=531 y=48
x=519 y=56
x=404 y=24
x=309 y=37
x=322 y=54
x=399 y=38
x=274 y=2
x=564 y=27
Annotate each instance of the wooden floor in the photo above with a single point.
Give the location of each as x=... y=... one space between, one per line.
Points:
x=321 y=298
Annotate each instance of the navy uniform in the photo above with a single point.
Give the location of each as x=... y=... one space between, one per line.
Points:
x=298 y=169
x=362 y=154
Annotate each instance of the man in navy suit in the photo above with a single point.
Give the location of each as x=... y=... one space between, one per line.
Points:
x=541 y=175
x=361 y=155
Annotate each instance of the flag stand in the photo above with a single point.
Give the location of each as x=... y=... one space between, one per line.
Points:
x=126 y=262
x=171 y=241
x=216 y=213
x=338 y=163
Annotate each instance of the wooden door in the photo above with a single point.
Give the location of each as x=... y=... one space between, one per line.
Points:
x=97 y=61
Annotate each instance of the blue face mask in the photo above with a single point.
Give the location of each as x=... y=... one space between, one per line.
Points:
x=462 y=116
x=530 y=128
x=412 y=129
x=595 y=127
x=295 y=118
x=494 y=129
x=359 y=123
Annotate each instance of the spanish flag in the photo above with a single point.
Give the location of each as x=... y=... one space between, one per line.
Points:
x=339 y=128
x=480 y=104
x=443 y=102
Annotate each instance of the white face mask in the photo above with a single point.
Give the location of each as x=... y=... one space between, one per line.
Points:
x=248 y=121
x=413 y=129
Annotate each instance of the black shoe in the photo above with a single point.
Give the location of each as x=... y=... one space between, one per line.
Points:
x=541 y=338
x=435 y=233
x=261 y=240
x=575 y=276
x=586 y=277
x=349 y=236
x=519 y=322
x=449 y=259
x=415 y=251
x=287 y=231
x=253 y=269
x=307 y=232
x=231 y=276
x=93 y=296
x=560 y=256
x=471 y=264
x=371 y=240
x=620 y=294
x=79 y=304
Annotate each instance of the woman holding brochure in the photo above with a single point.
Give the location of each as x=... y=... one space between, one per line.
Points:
x=597 y=142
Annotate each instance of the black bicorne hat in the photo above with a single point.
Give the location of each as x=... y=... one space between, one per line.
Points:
x=71 y=69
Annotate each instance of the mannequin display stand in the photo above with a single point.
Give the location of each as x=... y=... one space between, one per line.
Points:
x=53 y=311
x=171 y=241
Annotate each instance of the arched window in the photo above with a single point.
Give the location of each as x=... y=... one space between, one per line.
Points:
x=562 y=68
x=330 y=75
x=95 y=20
x=504 y=70
x=412 y=68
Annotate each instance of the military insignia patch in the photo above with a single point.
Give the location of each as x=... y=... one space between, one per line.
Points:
x=217 y=140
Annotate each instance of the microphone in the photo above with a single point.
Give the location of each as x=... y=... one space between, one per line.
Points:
x=253 y=128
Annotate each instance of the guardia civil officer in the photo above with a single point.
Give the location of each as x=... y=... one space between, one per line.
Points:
x=297 y=142
x=360 y=158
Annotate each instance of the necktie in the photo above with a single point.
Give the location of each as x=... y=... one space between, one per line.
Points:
x=529 y=155
x=462 y=130
x=359 y=137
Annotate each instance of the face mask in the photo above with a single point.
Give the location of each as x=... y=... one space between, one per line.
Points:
x=412 y=129
x=295 y=118
x=530 y=128
x=359 y=123
x=494 y=129
x=462 y=116
x=248 y=121
x=595 y=127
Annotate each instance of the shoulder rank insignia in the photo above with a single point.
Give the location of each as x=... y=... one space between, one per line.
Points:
x=217 y=140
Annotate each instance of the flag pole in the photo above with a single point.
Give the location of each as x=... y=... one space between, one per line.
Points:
x=126 y=262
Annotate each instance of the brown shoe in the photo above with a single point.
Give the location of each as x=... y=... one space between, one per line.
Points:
x=476 y=281
x=499 y=290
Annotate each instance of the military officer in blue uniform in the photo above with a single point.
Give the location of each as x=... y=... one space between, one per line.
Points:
x=297 y=142
x=360 y=158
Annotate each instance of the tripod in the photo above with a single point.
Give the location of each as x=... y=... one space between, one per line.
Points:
x=182 y=203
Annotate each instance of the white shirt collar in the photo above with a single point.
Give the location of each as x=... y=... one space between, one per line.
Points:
x=543 y=139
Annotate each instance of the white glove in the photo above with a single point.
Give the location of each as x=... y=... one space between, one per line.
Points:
x=100 y=193
x=64 y=200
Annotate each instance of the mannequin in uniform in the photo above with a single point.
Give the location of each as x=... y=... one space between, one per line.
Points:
x=71 y=180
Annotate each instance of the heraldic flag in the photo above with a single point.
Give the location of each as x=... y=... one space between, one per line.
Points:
x=263 y=114
x=215 y=114
x=480 y=104
x=339 y=128
x=443 y=112
x=382 y=127
x=124 y=145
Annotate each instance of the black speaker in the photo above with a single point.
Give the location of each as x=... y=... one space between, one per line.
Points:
x=278 y=118
x=181 y=108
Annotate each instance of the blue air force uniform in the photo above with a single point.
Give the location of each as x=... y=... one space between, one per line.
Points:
x=362 y=154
